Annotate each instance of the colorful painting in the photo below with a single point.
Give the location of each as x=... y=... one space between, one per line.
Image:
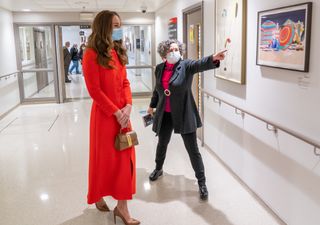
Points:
x=231 y=36
x=284 y=37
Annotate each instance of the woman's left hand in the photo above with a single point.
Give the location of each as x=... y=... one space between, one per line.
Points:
x=219 y=56
x=127 y=111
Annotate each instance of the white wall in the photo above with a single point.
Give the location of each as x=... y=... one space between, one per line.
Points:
x=9 y=90
x=173 y=9
x=281 y=170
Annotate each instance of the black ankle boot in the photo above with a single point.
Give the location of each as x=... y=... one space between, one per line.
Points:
x=203 y=191
x=155 y=174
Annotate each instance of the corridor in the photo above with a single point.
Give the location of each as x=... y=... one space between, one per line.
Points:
x=43 y=175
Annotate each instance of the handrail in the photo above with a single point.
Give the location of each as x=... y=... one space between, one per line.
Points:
x=8 y=75
x=37 y=70
x=271 y=126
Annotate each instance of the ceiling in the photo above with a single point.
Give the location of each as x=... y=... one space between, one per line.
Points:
x=82 y=5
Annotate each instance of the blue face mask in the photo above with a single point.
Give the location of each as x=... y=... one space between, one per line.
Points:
x=117 y=34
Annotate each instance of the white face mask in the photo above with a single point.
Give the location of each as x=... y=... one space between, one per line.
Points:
x=173 y=57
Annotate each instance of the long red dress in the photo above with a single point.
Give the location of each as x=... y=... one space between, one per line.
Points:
x=111 y=172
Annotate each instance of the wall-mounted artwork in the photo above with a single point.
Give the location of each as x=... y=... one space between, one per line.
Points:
x=284 y=37
x=231 y=35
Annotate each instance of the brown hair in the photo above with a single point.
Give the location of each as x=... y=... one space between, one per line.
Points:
x=101 y=42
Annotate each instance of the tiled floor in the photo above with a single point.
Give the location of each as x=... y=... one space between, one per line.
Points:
x=43 y=176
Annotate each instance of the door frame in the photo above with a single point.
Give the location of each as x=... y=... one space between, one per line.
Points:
x=23 y=99
x=194 y=8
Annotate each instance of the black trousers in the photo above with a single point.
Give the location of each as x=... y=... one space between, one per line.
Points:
x=190 y=143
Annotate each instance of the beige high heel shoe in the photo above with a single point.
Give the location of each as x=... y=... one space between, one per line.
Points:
x=116 y=213
x=102 y=206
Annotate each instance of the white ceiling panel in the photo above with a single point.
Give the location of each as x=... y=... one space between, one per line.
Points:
x=78 y=5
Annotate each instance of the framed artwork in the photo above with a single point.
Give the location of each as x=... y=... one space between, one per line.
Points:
x=231 y=35
x=284 y=37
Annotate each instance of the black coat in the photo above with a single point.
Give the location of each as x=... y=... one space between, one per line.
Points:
x=185 y=116
x=74 y=54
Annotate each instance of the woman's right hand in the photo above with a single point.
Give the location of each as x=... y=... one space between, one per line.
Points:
x=121 y=118
x=150 y=111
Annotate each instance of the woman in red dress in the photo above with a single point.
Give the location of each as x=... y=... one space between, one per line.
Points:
x=111 y=172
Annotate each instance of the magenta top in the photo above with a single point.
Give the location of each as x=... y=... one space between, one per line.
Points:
x=167 y=73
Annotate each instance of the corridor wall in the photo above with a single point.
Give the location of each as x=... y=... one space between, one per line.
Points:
x=9 y=89
x=281 y=170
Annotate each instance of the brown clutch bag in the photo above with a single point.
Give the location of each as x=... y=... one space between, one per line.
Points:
x=126 y=140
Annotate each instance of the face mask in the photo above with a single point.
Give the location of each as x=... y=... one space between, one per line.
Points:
x=117 y=34
x=173 y=57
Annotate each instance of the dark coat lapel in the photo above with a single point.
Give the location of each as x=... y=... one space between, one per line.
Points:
x=161 y=68
x=176 y=69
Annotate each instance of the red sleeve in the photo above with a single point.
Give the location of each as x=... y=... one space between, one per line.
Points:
x=127 y=89
x=91 y=74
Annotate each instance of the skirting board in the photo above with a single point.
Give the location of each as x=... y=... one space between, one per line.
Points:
x=9 y=111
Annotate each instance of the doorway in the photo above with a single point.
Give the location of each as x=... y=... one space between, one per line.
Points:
x=36 y=63
x=77 y=36
x=138 y=40
x=41 y=62
x=193 y=39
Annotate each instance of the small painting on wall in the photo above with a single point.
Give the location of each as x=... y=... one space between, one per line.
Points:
x=284 y=37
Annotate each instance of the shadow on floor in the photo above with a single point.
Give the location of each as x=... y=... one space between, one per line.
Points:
x=91 y=217
x=166 y=189
x=178 y=188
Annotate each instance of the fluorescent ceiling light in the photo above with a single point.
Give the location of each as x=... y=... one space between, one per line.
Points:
x=26 y=10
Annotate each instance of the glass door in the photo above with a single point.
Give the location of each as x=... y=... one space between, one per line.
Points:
x=36 y=63
x=138 y=40
x=77 y=36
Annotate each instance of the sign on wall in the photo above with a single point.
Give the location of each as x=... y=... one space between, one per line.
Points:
x=85 y=26
x=173 y=32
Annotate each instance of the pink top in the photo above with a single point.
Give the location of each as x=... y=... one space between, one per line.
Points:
x=168 y=71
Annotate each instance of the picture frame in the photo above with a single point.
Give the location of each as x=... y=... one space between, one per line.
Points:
x=283 y=37
x=230 y=30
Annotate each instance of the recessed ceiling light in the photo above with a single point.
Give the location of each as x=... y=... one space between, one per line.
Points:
x=26 y=10
x=44 y=197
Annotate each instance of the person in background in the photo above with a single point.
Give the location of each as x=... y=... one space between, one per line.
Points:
x=82 y=48
x=111 y=172
x=66 y=61
x=75 y=59
x=176 y=109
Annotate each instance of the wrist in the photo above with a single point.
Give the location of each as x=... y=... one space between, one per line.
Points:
x=117 y=113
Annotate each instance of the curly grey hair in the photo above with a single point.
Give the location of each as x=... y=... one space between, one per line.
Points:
x=164 y=46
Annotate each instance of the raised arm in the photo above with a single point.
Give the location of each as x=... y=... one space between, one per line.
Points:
x=206 y=63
